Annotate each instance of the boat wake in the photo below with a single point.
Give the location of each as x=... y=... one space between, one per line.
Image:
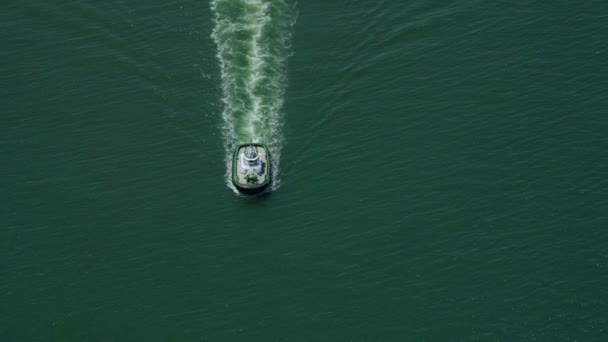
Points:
x=253 y=41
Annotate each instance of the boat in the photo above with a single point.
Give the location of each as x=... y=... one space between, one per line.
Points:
x=251 y=171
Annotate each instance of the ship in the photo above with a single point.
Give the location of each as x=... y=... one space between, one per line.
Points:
x=251 y=171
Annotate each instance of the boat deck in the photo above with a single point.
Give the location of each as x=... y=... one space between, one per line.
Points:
x=241 y=175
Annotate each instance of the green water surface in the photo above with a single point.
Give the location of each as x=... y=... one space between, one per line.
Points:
x=443 y=175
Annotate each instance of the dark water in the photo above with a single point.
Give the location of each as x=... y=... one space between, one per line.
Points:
x=443 y=171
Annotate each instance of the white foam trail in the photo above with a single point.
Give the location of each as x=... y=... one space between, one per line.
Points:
x=252 y=37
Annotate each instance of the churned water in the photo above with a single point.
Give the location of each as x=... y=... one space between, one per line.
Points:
x=253 y=41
